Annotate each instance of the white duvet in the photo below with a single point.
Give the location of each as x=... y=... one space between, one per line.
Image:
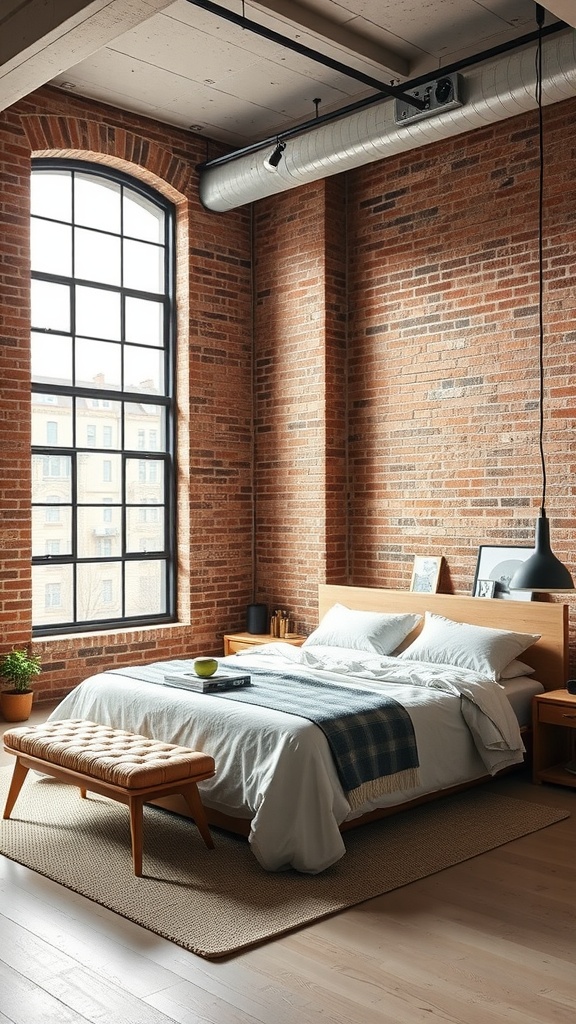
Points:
x=276 y=768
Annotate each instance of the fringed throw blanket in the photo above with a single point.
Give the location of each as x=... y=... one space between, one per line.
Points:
x=370 y=735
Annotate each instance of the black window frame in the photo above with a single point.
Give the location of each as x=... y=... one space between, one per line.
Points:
x=93 y=398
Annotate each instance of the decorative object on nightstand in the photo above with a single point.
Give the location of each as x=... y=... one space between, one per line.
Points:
x=280 y=624
x=234 y=642
x=257 y=618
x=571 y=686
x=554 y=738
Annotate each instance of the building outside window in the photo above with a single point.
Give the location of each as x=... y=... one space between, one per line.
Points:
x=102 y=255
x=52 y=595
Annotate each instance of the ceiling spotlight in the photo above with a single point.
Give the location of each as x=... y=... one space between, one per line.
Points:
x=275 y=157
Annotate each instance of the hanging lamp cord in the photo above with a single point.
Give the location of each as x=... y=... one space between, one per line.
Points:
x=540 y=14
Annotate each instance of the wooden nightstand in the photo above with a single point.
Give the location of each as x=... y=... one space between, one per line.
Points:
x=554 y=737
x=234 y=642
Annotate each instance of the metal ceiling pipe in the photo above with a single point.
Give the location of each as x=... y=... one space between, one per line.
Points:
x=493 y=92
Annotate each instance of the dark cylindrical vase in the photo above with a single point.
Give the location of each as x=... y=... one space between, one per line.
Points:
x=257 y=618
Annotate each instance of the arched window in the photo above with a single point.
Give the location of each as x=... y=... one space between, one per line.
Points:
x=102 y=250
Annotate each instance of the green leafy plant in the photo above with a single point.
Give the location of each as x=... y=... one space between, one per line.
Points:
x=19 y=667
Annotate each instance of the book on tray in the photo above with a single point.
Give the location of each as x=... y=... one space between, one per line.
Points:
x=207 y=684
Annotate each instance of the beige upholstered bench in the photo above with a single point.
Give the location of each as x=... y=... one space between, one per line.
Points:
x=114 y=763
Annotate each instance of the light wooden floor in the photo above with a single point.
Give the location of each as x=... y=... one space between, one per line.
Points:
x=487 y=941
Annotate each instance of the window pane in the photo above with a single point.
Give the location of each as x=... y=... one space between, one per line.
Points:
x=51 y=194
x=98 y=428
x=50 y=247
x=95 y=540
x=52 y=424
x=50 y=523
x=96 y=256
x=98 y=313
x=50 y=306
x=51 y=358
x=98 y=478
x=144 y=427
x=46 y=486
x=143 y=370
x=52 y=594
x=99 y=591
x=144 y=481
x=144 y=529
x=144 y=321
x=143 y=266
x=97 y=203
x=49 y=472
x=145 y=591
x=98 y=364
x=142 y=219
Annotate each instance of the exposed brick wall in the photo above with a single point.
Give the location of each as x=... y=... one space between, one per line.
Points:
x=443 y=350
x=214 y=385
x=385 y=345
x=300 y=396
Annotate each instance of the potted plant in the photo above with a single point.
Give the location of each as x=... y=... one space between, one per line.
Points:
x=18 y=667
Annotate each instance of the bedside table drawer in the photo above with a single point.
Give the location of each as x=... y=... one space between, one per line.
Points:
x=234 y=642
x=557 y=715
x=233 y=646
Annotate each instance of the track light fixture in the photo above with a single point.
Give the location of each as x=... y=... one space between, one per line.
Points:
x=275 y=157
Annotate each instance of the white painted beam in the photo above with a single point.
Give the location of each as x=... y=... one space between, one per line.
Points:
x=341 y=35
x=40 y=39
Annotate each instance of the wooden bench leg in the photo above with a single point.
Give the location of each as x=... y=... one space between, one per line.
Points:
x=135 y=804
x=18 y=776
x=192 y=797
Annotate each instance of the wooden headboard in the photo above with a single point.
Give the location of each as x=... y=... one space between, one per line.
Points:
x=548 y=656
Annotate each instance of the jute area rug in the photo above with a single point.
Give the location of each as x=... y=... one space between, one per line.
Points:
x=217 y=902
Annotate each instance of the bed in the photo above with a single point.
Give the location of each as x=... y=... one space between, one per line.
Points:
x=279 y=780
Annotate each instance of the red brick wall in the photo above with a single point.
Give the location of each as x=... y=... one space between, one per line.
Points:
x=443 y=350
x=214 y=383
x=300 y=396
x=427 y=263
x=386 y=345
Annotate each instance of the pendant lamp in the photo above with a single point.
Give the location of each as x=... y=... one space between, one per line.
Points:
x=542 y=573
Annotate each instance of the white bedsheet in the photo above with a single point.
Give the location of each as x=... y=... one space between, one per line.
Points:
x=276 y=768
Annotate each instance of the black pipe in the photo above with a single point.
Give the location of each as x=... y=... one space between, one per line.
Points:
x=351 y=108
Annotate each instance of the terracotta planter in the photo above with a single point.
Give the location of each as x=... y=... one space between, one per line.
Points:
x=15 y=706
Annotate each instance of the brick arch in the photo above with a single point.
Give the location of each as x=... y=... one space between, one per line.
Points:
x=79 y=138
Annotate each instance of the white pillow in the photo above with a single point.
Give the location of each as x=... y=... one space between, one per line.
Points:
x=517 y=668
x=378 y=632
x=483 y=650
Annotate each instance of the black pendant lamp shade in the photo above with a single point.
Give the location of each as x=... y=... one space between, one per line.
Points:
x=542 y=573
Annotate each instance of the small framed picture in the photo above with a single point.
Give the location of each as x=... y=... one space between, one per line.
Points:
x=426 y=573
x=485 y=588
x=497 y=564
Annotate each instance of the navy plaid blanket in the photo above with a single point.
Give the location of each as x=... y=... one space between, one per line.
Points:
x=370 y=735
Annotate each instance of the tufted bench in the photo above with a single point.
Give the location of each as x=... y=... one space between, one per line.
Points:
x=121 y=765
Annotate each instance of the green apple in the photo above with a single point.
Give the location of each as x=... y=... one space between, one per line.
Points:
x=205 y=667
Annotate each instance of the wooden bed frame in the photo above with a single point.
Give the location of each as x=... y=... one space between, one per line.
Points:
x=548 y=656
